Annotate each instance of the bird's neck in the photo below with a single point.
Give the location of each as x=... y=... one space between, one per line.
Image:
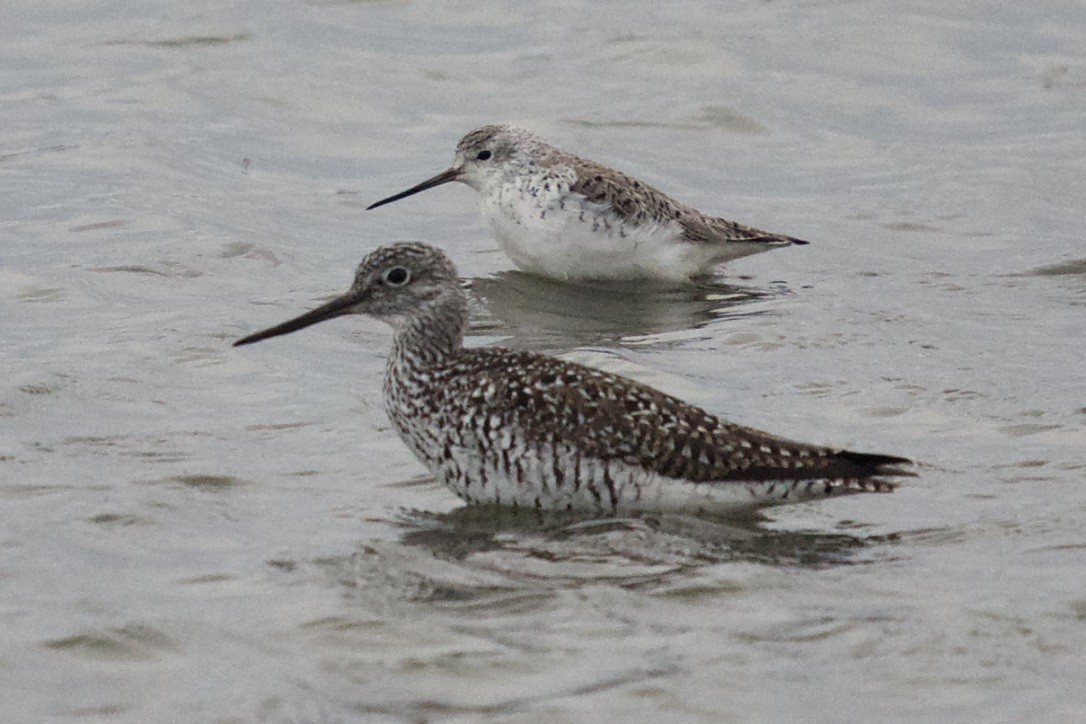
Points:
x=432 y=335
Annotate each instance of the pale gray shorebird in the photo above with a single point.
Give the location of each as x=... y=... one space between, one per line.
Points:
x=515 y=428
x=565 y=217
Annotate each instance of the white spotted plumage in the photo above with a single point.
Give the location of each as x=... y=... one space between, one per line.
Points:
x=570 y=218
x=516 y=428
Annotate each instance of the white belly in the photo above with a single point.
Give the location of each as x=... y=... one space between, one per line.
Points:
x=556 y=479
x=571 y=239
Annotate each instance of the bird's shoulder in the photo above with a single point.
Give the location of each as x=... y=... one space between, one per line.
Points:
x=627 y=197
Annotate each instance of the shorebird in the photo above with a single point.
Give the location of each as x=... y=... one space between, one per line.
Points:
x=506 y=427
x=569 y=218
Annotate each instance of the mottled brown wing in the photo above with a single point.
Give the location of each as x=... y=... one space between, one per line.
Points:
x=629 y=198
x=639 y=202
x=614 y=418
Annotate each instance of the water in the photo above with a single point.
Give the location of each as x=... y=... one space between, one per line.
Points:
x=193 y=532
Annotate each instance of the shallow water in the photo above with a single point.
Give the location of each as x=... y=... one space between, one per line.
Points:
x=193 y=532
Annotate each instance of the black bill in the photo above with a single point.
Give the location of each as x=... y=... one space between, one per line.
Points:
x=442 y=178
x=335 y=308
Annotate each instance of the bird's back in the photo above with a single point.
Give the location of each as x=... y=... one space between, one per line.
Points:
x=641 y=203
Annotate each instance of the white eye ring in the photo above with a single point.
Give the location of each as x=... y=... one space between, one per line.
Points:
x=397 y=276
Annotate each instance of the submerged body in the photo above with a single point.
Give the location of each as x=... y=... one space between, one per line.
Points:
x=558 y=215
x=516 y=428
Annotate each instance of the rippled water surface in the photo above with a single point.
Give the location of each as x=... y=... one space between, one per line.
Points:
x=193 y=532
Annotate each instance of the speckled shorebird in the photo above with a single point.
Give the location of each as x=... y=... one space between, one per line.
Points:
x=561 y=216
x=517 y=428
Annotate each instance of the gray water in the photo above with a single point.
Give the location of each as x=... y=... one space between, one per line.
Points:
x=192 y=532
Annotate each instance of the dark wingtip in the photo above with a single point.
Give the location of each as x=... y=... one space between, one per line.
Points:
x=873 y=465
x=800 y=242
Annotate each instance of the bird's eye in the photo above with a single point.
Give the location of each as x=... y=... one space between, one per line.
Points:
x=483 y=155
x=397 y=276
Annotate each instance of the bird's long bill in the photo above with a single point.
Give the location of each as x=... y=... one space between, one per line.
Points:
x=335 y=308
x=444 y=177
